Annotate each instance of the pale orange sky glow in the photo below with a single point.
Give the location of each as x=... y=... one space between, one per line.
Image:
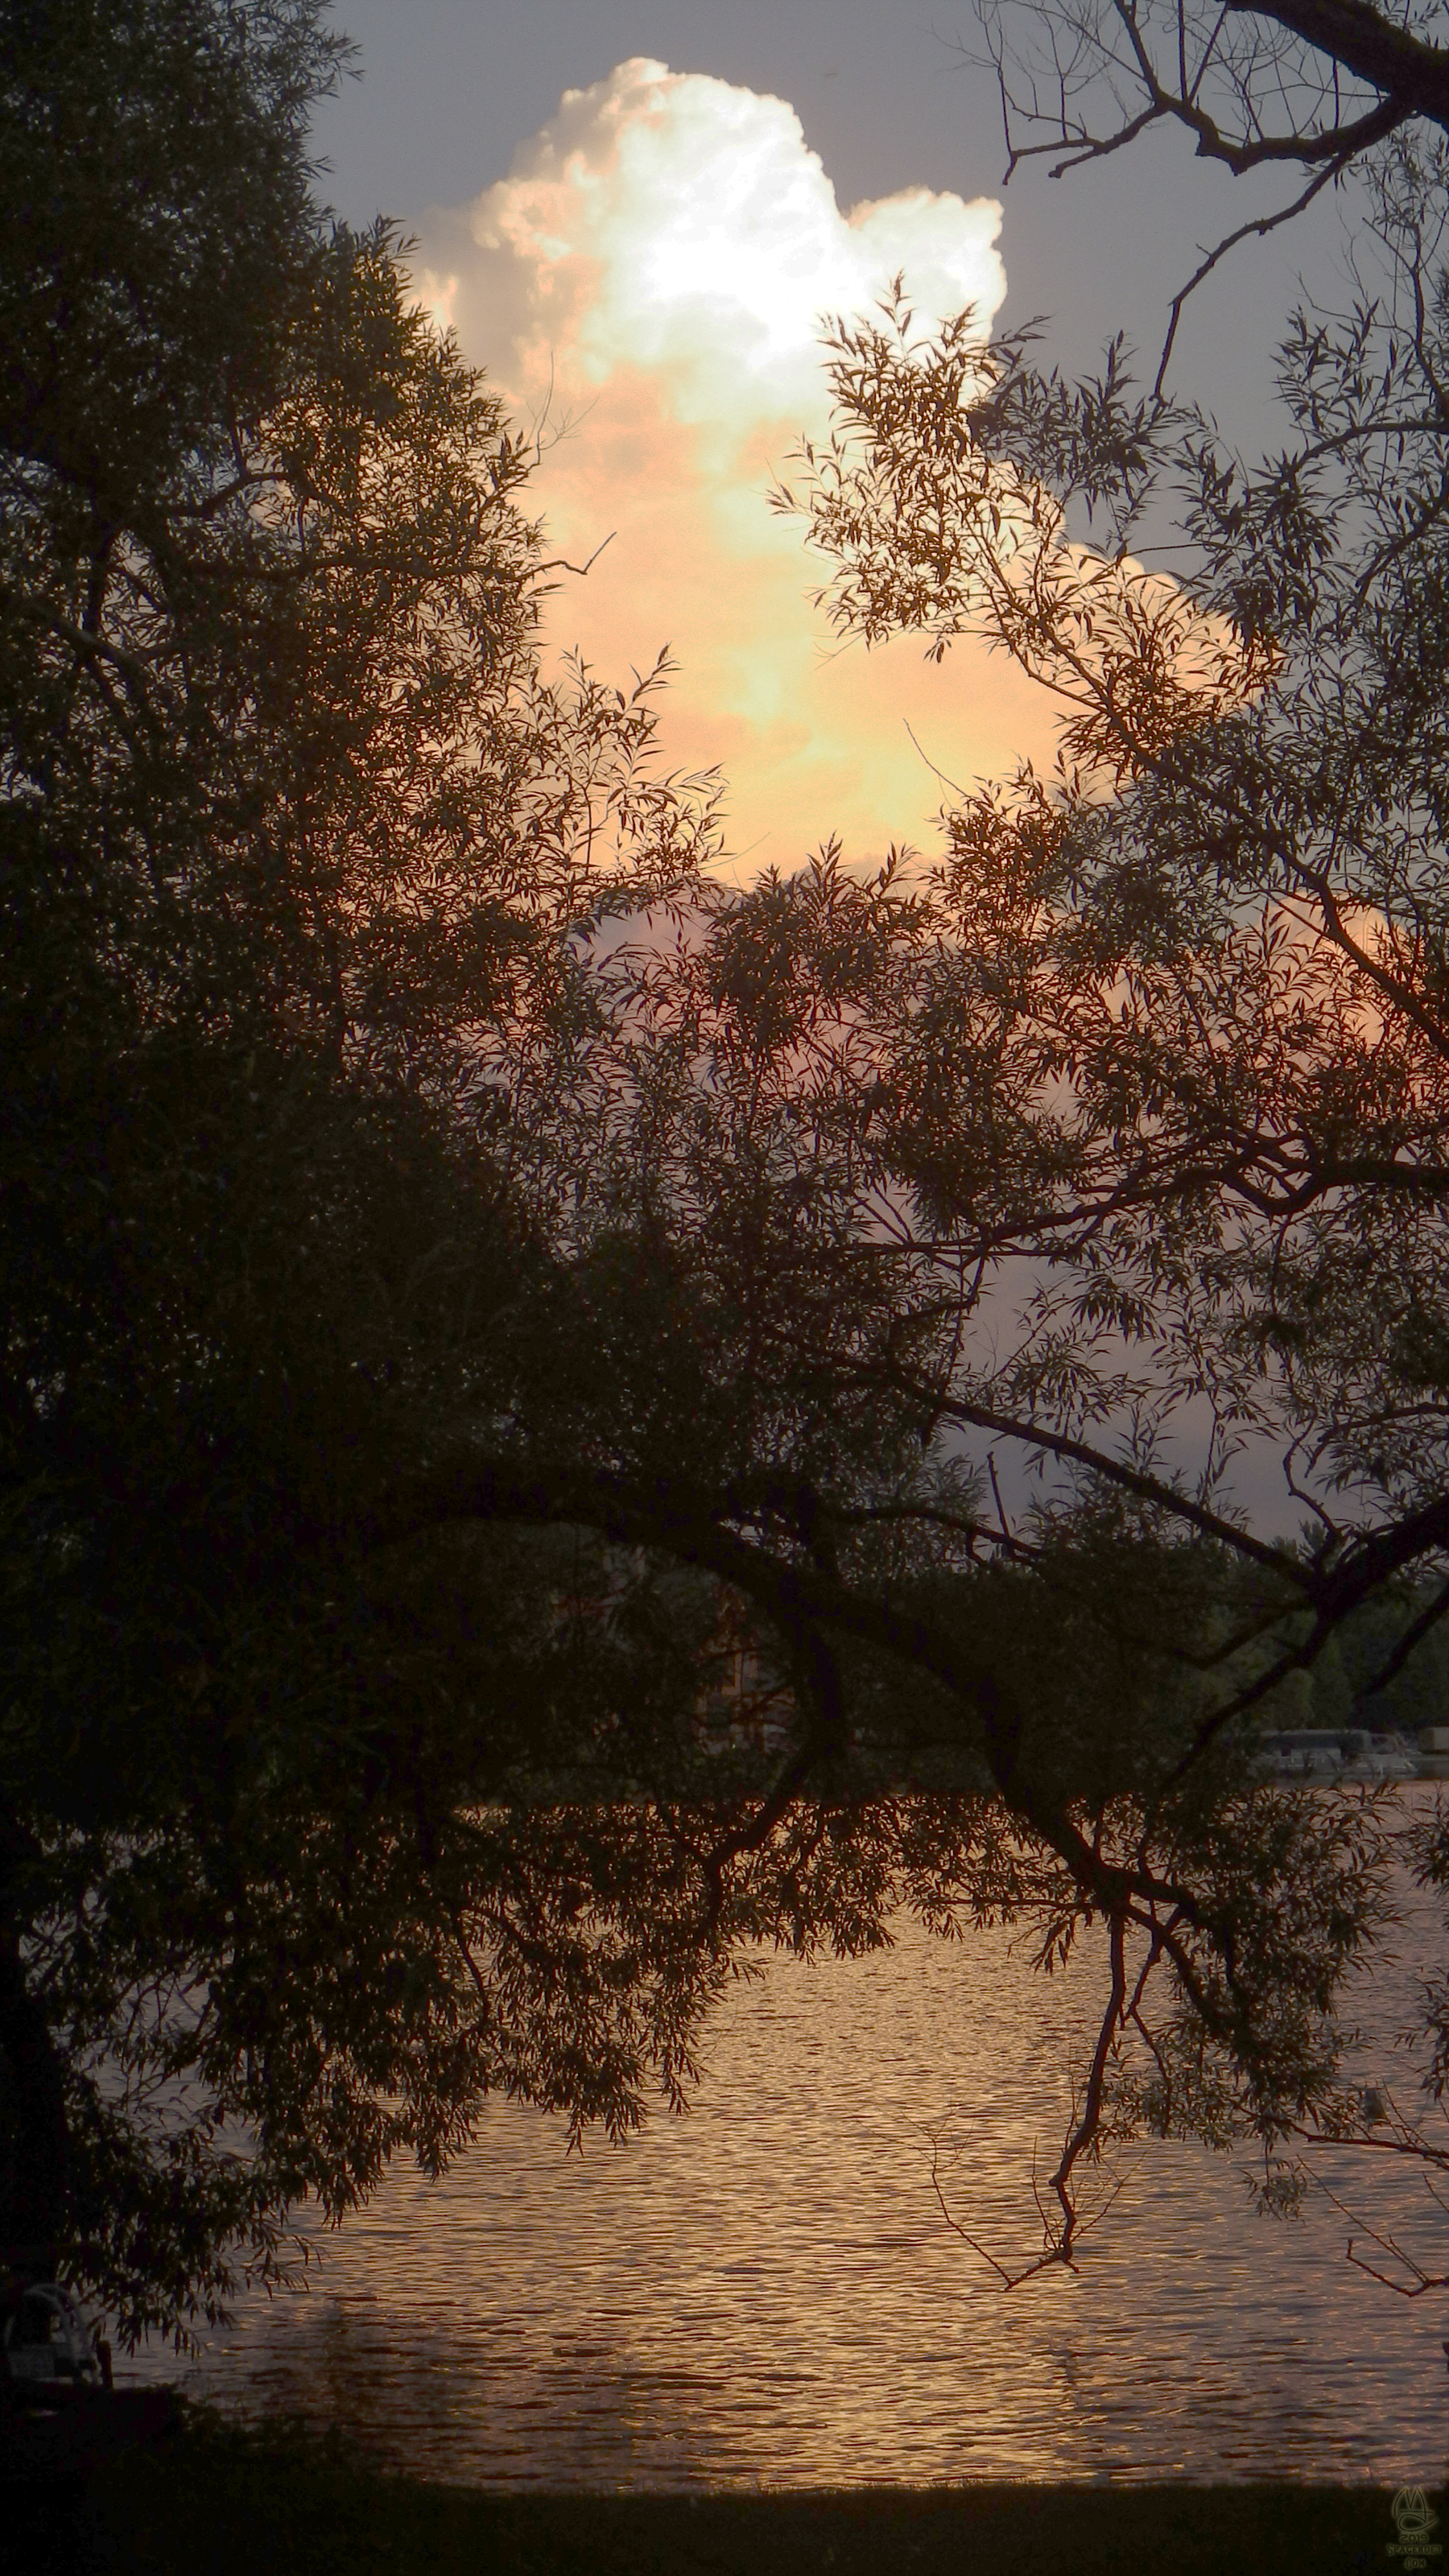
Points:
x=654 y=270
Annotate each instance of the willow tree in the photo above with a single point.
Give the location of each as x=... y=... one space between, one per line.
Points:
x=1179 y=1042
x=426 y=1299
x=289 y=817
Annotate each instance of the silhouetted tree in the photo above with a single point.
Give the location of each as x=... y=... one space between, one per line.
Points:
x=450 y=1241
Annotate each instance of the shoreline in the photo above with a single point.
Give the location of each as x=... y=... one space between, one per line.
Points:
x=219 y=2500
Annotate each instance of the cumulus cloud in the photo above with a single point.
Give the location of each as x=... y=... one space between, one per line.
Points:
x=650 y=280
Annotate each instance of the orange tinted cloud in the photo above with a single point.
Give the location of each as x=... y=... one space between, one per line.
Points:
x=651 y=278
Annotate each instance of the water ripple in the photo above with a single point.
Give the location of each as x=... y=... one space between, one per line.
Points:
x=764 y=2294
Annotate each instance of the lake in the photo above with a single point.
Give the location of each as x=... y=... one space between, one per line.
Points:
x=765 y=2294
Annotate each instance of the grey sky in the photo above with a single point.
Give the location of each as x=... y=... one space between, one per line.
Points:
x=452 y=87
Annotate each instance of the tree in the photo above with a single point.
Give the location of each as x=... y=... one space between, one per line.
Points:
x=429 y=1304
x=1311 y=89
x=1193 y=982
x=1311 y=84
x=289 y=817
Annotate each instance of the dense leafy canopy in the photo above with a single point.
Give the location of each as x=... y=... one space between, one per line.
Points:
x=464 y=1271
x=289 y=815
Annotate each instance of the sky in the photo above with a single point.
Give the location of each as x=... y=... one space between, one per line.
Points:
x=635 y=212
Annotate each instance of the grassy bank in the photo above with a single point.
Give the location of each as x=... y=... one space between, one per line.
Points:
x=226 y=2504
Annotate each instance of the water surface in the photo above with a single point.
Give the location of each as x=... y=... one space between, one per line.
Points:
x=765 y=2292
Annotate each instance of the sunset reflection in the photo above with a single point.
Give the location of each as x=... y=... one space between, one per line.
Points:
x=765 y=2292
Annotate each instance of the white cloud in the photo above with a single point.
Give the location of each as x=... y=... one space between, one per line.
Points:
x=655 y=268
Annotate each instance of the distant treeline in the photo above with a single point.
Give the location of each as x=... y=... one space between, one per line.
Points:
x=1341 y=1689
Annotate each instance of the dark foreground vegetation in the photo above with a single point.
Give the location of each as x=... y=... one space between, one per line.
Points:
x=227 y=2501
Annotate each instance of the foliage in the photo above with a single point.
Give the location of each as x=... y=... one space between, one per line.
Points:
x=459 y=1260
x=289 y=815
x=1191 y=985
x=1192 y=982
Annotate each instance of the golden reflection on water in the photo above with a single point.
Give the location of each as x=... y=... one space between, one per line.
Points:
x=765 y=2293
